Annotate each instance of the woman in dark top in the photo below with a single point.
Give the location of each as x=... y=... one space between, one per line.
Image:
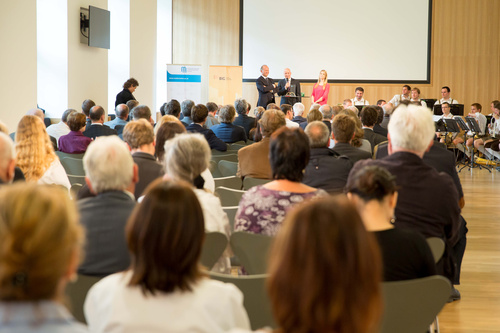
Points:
x=406 y=254
x=126 y=94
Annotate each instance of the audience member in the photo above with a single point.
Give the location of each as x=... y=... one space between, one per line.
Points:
x=110 y=174
x=142 y=112
x=327 y=112
x=86 y=106
x=253 y=160
x=243 y=120
x=347 y=103
x=61 y=128
x=388 y=108
x=121 y=112
x=262 y=208
x=166 y=119
x=377 y=128
x=97 y=127
x=140 y=138
x=186 y=107
x=369 y=119
x=212 y=113
x=288 y=112
x=406 y=254
x=326 y=169
x=324 y=272
x=343 y=128
x=165 y=289
x=131 y=105
x=126 y=94
x=40 y=115
x=273 y=106
x=298 y=111
x=7 y=159
x=313 y=115
x=41 y=248
x=358 y=141
x=199 y=114
x=75 y=142
x=226 y=130
x=35 y=154
x=255 y=133
x=172 y=108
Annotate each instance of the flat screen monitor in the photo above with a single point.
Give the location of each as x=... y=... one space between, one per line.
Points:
x=99 y=27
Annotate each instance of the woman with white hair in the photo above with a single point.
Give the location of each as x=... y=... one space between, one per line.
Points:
x=186 y=157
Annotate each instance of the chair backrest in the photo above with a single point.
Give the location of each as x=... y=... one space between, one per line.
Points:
x=255 y=301
x=73 y=166
x=225 y=157
x=412 y=305
x=228 y=168
x=62 y=155
x=252 y=250
x=214 y=169
x=214 y=245
x=249 y=182
x=119 y=129
x=218 y=152
x=228 y=196
x=375 y=150
x=230 y=182
x=236 y=147
x=231 y=214
x=437 y=247
x=77 y=291
x=75 y=188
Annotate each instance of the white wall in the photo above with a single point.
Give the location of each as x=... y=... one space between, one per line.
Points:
x=17 y=60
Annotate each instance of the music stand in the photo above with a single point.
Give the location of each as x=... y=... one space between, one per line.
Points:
x=461 y=123
x=474 y=128
x=457 y=109
x=451 y=125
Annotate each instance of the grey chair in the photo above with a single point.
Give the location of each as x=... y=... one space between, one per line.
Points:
x=411 y=306
x=77 y=291
x=228 y=168
x=231 y=214
x=236 y=147
x=214 y=245
x=437 y=247
x=74 y=169
x=255 y=301
x=249 y=182
x=218 y=152
x=214 y=169
x=228 y=196
x=62 y=155
x=252 y=250
x=225 y=157
x=74 y=190
x=230 y=182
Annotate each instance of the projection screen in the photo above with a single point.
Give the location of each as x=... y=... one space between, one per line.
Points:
x=354 y=41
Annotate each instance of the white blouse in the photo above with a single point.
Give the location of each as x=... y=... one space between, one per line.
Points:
x=55 y=175
x=212 y=306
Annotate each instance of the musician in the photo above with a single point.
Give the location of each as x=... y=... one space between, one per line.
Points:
x=415 y=97
x=287 y=86
x=446 y=97
x=358 y=99
x=404 y=96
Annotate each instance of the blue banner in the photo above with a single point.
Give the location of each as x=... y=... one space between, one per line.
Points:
x=183 y=78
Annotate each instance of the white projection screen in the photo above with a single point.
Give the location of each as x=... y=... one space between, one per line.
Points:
x=354 y=41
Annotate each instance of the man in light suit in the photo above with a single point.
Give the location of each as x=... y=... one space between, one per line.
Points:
x=111 y=174
x=289 y=85
x=266 y=87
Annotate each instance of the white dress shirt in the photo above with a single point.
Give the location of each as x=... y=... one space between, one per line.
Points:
x=398 y=98
x=55 y=175
x=58 y=130
x=361 y=102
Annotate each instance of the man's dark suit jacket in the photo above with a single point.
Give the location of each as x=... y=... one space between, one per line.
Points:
x=373 y=137
x=299 y=119
x=104 y=218
x=282 y=92
x=327 y=170
x=149 y=170
x=94 y=131
x=229 y=133
x=186 y=121
x=124 y=96
x=266 y=91
x=354 y=154
x=246 y=122
x=213 y=141
x=380 y=130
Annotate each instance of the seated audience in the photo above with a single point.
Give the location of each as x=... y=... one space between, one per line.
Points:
x=226 y=130
x=187 y=156
x=199 y=115
x=262 y=208
x=165 y=290
x=41 y=115
x=140 y=138
x=377 y=128
x=255 y=133
x=186 y=107
x=327 y=112
x=253 y=160
x=298 y=111
x=7 y=159
x=41 y=248
x=143 y=112
x=343 y=131
x=313 y=115
x=172 y=108
x=288 y=112
x=368 y=118
x=212 y=115
x=75 y=142
x=243 y=119
x=406 y=254
x=35 y=154
x=326 y=169
x=97 y=127
x=110 y=174
x=358 y=140
x=388 y=108
x=131 y=105
x=86 y=106
x=61 y=128
x=121 y=113
x=166 y=119
x=324 y=272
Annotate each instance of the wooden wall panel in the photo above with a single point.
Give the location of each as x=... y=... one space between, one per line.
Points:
x=465 y=50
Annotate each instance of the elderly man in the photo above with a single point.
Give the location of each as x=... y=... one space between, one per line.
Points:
x=326 y=169
x=253 y=160
x=404 y=96
x=327 y=112
x=97 y=128
x=266 y=87
x=121 y=112
x=7 y=159
x=298 y=111
x=139 y=136
x=61 y=128
x=186 y=107
x=243 y=119
x=199 y=115
x=111 y=174
x=289 y=89
x=226 y=130
x=143 y=112
x=428 y=200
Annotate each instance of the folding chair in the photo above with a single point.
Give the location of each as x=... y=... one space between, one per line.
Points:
x=249 y=182
x=214 y=245
x=252 y=250
x=228 y=196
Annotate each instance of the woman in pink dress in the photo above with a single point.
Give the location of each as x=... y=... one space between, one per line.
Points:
x=321 y=89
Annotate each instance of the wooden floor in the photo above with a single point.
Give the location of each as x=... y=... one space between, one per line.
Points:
x=479 y=309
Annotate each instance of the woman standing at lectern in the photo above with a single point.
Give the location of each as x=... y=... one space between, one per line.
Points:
x=321 y=89
x=126 y=94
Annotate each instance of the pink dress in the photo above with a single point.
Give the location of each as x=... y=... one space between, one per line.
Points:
x=318 y=92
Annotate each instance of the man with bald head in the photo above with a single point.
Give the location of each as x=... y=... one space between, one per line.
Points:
x=97 y=128
x=121 y=112
x=286 y=87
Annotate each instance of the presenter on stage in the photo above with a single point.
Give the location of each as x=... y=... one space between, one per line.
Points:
x=321 y=89
x=266 y=88
x=287 y=86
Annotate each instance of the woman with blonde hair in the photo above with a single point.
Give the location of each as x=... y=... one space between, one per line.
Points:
x=325 y=271
x=35 y=154
x=39 y=254
x=321 y=89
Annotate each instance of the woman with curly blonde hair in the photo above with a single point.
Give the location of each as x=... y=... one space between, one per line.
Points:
x=35 y=154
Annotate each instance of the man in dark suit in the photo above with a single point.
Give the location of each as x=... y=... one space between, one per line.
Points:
x=298 y=111
x=266 y=87
x=139 y=135
x=289 y=85
x=342 y=133
x=368 y=120
x=377 y=128
x=97 y=128
x=326 y=169
x=186 y=107
x=199 y=114
x=243 y=119
x=86 y=106
x=226 y=130
x=111 y=174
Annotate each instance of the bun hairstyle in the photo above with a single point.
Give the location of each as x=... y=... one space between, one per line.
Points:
x=37 y=244
x=372 y=183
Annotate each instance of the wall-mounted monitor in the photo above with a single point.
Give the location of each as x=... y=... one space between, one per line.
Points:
x=94 y=27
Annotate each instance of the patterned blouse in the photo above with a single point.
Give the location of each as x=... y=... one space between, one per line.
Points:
x=262 y=210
